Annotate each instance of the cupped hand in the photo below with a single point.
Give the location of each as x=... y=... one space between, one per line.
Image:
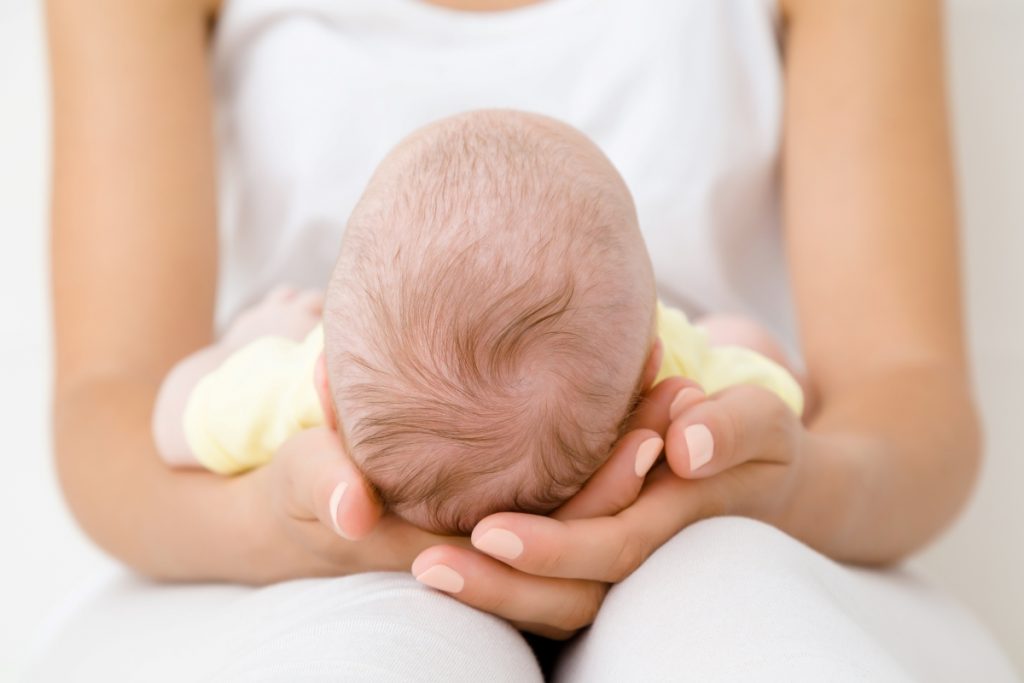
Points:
x=736 y=452
x=312 y=514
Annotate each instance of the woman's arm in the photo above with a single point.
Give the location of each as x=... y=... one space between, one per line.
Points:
x=871 y=230
x=134 y=273
x=133 y=258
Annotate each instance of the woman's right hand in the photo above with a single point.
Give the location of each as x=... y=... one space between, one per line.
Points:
x=312 y=514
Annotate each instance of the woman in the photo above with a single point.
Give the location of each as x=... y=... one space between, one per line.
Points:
x=687 y=99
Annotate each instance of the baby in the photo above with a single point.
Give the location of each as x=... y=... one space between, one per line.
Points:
x=485 y=331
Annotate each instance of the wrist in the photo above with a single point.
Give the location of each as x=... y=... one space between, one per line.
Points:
x=253 y=527
x=834 y=485
x=264 y=552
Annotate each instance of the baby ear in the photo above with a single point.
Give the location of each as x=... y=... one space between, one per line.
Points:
x=653 y=364
x=323 y=391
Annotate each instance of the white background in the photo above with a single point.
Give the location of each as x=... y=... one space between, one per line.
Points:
x=43 y=557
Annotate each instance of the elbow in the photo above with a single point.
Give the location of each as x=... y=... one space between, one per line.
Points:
x=958 y=470
x=93 y=492
x=93 y=425
x=959 y=459
x=970 y=454
x=73 y=462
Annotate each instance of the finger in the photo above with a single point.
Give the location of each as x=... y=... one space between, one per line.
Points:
x=618 y=481
x=667 y=505
x=653 y=364
x=604 y=549
x=653 y=410
x=731 y=427
x=280 y=293
x=598 y=549
x=394 y=542
x=482 y=582
x=549 y=632
x=325 y=484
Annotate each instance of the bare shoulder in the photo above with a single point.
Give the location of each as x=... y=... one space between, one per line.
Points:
x=798 y=10
x=179 y=8
x=211 y=7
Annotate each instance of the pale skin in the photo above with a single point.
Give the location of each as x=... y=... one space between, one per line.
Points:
x=884 y=461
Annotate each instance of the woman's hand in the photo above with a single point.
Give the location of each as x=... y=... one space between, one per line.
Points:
x=732 y=453
x=312 y=514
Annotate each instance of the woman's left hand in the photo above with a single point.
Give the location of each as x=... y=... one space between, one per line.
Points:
x=736 y=452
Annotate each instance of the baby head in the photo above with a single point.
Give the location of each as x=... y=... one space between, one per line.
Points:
x=488 y=319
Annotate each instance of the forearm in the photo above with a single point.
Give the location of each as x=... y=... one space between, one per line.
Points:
x=886 y=465
x=181 y=525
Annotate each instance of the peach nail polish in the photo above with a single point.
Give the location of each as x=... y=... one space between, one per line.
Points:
x=646 y=454
x=443 y=578
x=701 y=445
x=501 y=543
x=336 y=495
x=686 y=397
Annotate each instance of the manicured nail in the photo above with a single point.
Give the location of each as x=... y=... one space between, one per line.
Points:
x=500 y=542
x=443 y=578
x=646 y=454
x=336 y=495
x=700 y=444
x=686 y=397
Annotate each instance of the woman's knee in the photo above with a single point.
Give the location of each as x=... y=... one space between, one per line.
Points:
x=741 y=547
x=379 y=626
x=733 y=554
x=728 y=599
x=385 y=627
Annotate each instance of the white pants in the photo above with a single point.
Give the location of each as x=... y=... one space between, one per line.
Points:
x=726 y=600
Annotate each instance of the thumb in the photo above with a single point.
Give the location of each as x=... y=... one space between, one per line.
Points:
x=617 y=483
x=323 y=483
x=740 y=424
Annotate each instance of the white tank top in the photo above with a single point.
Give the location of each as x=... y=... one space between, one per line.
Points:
x=684 y=96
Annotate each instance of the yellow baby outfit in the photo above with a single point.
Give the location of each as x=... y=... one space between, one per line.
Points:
x=238 y=415
x=688 y=353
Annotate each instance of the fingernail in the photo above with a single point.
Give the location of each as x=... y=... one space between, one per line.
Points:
x=686 y=397
x=336 y=495
x=646 y=454
x=700 y=444
x=443 y=578
x=500 y=542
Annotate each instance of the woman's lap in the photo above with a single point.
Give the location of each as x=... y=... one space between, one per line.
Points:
x=751 y=603
x=373 y=627
x=727 y=599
